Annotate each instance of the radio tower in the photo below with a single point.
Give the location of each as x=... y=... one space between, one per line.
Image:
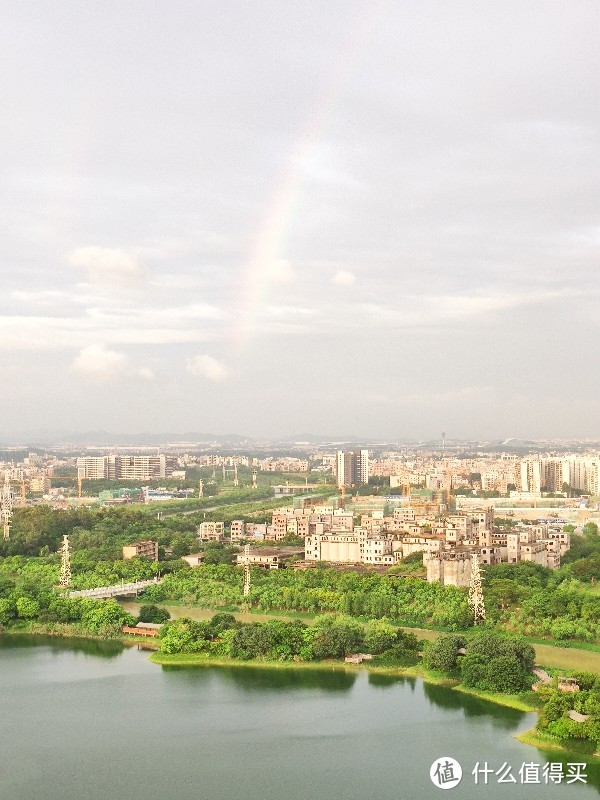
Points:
x=65 y=562
x=476 y=603
x=246 y=591
x=6 y=505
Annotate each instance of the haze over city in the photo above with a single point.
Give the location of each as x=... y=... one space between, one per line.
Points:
x=346 y=218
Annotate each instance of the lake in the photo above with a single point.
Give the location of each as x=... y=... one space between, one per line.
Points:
x=87 y=720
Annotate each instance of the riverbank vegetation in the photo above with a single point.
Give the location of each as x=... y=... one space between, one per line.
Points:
x=486 y=661
x=561 y=605
x=370 y=595
x=82 y=615
x=328 y=637
x=571 y=718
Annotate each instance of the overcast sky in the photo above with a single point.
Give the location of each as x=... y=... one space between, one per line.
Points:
x=369 y=218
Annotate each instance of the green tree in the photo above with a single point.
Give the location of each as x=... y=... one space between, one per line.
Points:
x=222 y=622
x=217 y=553
x=183 y=635
x=252 y=641
x=379 y=636
x=105 y=618
x=493 y=645
x=335 y=636
x=27 y=607
x=153 y=613
x=7 y=611
x=442 y=653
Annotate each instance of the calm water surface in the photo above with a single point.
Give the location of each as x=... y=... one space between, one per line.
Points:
x=93 y=721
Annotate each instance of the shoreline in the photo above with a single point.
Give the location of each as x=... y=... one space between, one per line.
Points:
x=531 y=737
x=414 y=672
x=543 y=741
x=549 y=653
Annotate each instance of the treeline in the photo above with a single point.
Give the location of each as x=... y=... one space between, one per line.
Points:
x=520 y=598
x=524 y=598
x=328 y=637
x=528 y=599
x=99 y=533
x=81 y=615
x=405 y=600
x=94 y=533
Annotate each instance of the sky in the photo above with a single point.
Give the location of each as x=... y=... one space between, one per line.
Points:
x=344 y=218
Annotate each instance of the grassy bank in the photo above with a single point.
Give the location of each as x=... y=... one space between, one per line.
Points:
x=520 y=702
x=547 y=655
x=545 y=742
x=517 y=702
x=205 y=660
x=63 y=630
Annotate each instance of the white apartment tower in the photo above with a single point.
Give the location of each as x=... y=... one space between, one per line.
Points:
x=352 y=467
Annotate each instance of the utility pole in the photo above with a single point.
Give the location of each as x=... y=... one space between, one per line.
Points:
x=476 y=603
x=6 y=505
x=200 y=488
x=65 y=562
x=246 y=591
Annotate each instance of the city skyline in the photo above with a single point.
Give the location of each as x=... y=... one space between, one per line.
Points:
x=349 y=219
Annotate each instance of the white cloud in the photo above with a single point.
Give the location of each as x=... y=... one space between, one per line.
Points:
x=208 y=367
x=107 y=265
x=344 y=277
x=49 y=297
x=99 y=364
x=131 y=325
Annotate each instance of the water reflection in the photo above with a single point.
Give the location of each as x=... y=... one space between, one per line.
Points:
x=381 y=680
x=443 y=697
x=102 y=648
x=243 y=732
x=265 y=679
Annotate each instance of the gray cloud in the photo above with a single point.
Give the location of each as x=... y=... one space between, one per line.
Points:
x=389 y=201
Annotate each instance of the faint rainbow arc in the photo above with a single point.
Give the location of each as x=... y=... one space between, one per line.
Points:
x=276 y=222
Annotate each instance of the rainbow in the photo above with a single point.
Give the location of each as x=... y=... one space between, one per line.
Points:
x=269 y=247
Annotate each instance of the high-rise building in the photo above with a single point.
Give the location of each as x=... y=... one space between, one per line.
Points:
x=352 y=467
x=531 y=476
x=135 y=468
